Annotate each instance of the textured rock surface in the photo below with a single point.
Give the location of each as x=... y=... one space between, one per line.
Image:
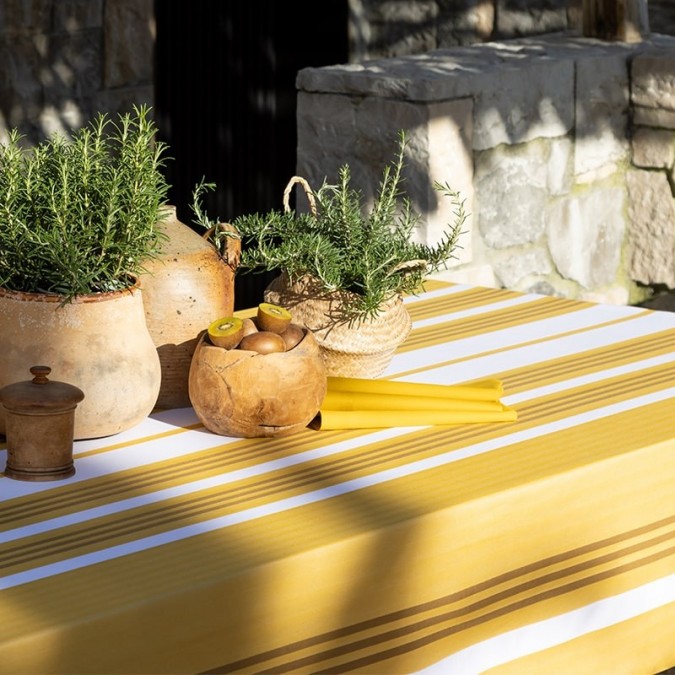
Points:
x=61 y=62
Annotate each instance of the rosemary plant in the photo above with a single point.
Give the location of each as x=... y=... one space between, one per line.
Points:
x=369 y=253
x=78 y=216
x=217 y=232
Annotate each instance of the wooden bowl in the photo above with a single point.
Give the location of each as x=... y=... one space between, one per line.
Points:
x=237 y=392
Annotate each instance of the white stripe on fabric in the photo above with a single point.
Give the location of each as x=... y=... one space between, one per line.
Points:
x=325 y=493
x=548 y=633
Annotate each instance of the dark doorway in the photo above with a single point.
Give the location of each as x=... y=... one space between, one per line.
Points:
x=225 y=99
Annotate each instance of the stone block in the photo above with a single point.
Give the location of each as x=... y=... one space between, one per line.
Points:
x=653 y=79
x=651 y=234
x=121 y=100
x=473 y=274
x=653 y=148
x=602 y=102
x=585 y=235
x=471 y=23
x=406 y=13
x=364 y=134
x=514 y=266
x=74 y=15
x=511 y=184
x=390 y=28
x=524 y=17
x=520 y=101
x=22 y=17
x=610 y=295
x=652 y=117
x=520 y=92
x=74 y=63
x=559 y=166
x=129 y=42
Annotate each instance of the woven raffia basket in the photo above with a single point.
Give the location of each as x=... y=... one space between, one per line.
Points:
x=361 y=348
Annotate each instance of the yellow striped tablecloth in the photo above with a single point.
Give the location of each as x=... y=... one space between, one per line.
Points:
x=545 y=545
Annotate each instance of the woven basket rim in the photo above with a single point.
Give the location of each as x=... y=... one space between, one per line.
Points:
x=317 y=312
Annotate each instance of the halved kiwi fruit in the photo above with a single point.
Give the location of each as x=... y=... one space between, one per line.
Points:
x=273 y=318
x=226 y=332
x=263 y=342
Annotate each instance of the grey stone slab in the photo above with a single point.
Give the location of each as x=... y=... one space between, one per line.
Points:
x=653 y=79
x=653 y=148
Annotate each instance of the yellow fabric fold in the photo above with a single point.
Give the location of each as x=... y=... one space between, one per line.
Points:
x=359 y=400
x=482 y=390
x=375 y=419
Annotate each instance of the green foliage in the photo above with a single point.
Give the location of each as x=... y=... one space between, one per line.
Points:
x=370 y=253
x=79 y=216
x=217 y=235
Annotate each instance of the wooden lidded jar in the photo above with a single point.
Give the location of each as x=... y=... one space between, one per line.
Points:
x=185 y=288
x=39 y=425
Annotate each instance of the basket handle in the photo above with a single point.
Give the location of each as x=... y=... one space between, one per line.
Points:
x=308 y=193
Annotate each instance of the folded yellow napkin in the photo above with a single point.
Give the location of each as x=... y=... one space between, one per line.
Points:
x=361 y=403
x=374 y=419
x=481 y=390
x=359 y=400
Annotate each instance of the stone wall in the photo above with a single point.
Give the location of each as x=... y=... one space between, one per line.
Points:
x=538 y=136
x=61 y=61
x=386 y=28
x=561 y=146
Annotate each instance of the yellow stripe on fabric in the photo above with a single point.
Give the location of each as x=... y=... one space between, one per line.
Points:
x=275 y=546
x=344 y=467
x=432 y=284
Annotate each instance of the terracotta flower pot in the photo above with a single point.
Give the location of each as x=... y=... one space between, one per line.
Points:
x=99 y=343
x=237 y=392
